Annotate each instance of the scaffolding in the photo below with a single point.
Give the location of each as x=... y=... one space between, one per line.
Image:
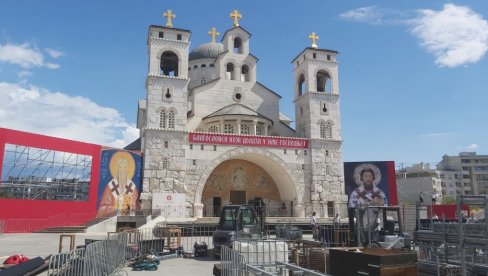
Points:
x=44 y=174
x=460 y=246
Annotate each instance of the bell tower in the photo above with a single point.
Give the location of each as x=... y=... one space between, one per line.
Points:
x=316 y=88
x=167 y=79
x=162 y=115
x=317 y=117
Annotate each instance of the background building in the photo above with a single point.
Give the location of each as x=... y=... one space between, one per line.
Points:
x=420 y=178
x=468 y=171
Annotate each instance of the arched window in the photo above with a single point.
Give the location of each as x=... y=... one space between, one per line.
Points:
x=171 y=119
x=212 y=65
x=328 y=130
x=230 y=71
x=327 y=170
x=169 y=64
x=203 y=66
x=301 y=85
x=245 y=73
x=203 y=81
x=228 y=128
x=237 y=45
x=322 y=130
x=195 y=67
x=259 y=129
x=213 y=129
x=323 y=82
x=162 y=119
x=245 y=129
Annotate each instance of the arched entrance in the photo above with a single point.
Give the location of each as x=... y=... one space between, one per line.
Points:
x=242 y=174
x=237 y=182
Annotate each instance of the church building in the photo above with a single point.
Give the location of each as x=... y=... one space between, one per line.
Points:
x=210 y=131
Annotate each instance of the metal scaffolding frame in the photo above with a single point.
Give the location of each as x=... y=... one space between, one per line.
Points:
x=455 y=246
x=36 y=173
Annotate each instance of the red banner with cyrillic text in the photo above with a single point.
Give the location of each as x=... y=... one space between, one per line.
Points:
x=252 y=141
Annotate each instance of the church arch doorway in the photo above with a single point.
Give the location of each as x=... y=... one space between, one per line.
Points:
x=247 y=176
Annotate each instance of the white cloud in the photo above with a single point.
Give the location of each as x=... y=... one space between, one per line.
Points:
x=435 y=134
x=371 y=15
x=375 y=15
x=472 y=147
x=455 y=35
x=24 y=55
x=24 y=73
x=53 y=53
x=52 y=65
x=38 y=110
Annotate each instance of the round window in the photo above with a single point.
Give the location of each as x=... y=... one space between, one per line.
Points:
x=238 y=96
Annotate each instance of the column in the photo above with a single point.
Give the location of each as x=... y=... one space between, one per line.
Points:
x=221 y=126
x=197 y=210
x=254 y=124
x=239 y=126
x=265 y=130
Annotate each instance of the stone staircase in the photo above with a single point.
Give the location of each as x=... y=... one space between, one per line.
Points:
x=71 y=229
x=63 y=229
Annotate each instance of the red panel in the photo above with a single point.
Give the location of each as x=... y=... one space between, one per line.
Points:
x=392 y=187
x=43 y=213
x=448 y=211
x=2 y=148
x=246 y=140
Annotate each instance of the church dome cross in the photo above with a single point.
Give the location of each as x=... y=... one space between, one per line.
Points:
x=170 y=15
x=314 y=39
x=213 y=33
x=235 y=15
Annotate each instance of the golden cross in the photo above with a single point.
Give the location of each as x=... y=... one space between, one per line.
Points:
x=314 y=38
x=213 y=32
x=170 y=15
x=235 y=15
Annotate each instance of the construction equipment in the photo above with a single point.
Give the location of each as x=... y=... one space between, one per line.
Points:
x=239 y=222
x=379 y=226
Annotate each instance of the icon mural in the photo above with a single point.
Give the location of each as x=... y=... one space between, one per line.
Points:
x=370 y=183
x=120 y=183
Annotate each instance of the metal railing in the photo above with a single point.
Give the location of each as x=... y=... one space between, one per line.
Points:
x=2 y=227
x=334 y=235
x=263 y=258
x=108 y=256
x=100 y=258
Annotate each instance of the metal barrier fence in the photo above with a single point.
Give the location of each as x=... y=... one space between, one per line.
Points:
x=2 y=227
x=232 y=262
x=271 y=211
x=190 y=236
x=334 y=235
x=29 y=225
x=100 y=258
x=263 y=257
x=105 y=257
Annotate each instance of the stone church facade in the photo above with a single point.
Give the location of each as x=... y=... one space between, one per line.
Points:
x=211 y=131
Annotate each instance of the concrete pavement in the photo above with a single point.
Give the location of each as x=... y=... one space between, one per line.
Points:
x=34 y=245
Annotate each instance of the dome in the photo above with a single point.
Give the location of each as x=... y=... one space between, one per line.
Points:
x=207 y=50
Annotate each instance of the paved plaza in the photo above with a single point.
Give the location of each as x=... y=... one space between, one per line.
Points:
x=34 y=245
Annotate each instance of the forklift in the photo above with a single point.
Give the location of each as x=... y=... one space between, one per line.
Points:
x=239 y=222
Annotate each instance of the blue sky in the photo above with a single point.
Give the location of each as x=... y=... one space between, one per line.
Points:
x=413 y=74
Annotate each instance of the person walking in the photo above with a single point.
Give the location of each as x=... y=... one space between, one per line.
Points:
x=314 y=226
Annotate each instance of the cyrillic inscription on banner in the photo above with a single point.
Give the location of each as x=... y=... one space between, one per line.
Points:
x=255 y=141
